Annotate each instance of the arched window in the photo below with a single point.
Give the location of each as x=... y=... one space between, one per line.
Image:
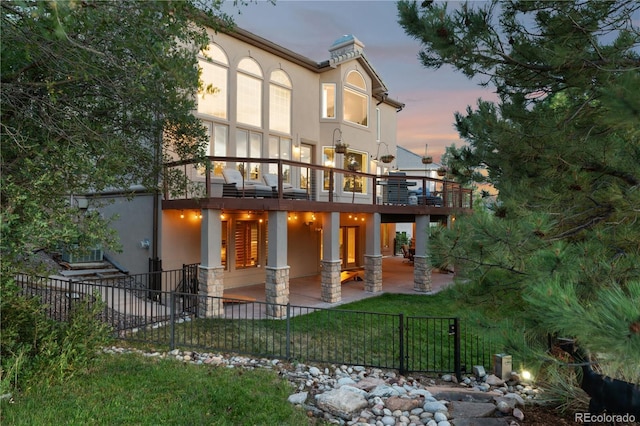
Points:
x=249 y=96
x=280 y=102
x=356 y=101
x=214 y=72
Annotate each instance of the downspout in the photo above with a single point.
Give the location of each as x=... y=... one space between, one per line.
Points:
x=156 y=198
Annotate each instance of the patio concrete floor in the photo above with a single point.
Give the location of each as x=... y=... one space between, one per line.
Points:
x=397 y=277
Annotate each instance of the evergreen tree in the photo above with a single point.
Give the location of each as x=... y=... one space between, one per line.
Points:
x=94 y=93
x=562 y=147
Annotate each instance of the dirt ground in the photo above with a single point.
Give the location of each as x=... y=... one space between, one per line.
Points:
x=546 y=416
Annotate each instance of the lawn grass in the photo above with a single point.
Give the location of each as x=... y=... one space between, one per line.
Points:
x=366 y=332
x=130 y=389
x=134 y=390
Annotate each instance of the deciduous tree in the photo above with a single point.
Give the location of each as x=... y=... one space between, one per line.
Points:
x=94 y=93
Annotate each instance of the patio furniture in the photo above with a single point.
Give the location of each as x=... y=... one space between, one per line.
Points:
x=237 y=186
x=407 y=253
x=425 y=198
x=288 y=190
x=396 y=189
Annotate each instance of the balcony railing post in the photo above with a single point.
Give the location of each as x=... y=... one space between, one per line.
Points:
x=331 y=183
x=207 y=177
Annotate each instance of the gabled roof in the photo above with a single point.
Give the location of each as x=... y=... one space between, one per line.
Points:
x=408 y=161
x=379 y=89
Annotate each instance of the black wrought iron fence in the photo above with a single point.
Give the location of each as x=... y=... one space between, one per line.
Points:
x=185 y=319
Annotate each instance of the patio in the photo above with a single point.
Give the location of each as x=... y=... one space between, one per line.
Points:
x=397 y=277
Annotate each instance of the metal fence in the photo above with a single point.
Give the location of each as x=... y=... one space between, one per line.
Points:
x=339 y=336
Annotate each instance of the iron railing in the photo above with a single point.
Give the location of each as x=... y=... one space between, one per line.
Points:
x=339 y=336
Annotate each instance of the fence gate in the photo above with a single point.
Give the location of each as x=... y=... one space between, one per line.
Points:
x=432 y=344
x=441 y=344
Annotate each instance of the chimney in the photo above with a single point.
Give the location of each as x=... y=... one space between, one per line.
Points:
x=347 y=45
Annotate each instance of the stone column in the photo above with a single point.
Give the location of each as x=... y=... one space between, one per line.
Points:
x=211 y=271
x=277 y=269
x=373 y=255
x=373 y=273
x=421 y=260
x=211 y=288
x=330 y=279
x=277 y=291
x=422 y=274
x=331 y=264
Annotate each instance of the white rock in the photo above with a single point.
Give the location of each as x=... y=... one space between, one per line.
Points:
x=298 y=398
x=434 y=407
x=314 y=371
x=388 y=421
x=440 y=417
x=518 y=414
x=503 y=407
x=494 y=380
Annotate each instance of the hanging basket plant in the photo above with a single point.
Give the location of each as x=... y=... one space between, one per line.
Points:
x=442 y=171
x=427 y=159
x=387 y=158
x=341 y=148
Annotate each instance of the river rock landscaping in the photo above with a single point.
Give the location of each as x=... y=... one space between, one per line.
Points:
x=356 y=395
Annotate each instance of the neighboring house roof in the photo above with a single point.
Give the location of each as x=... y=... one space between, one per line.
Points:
x=340 y=54
x=410 y=161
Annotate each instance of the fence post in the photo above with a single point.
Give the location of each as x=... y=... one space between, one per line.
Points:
x=402 y=368
x=288 y=332
x=456 y=346
x=70 y=298
x=172 y=320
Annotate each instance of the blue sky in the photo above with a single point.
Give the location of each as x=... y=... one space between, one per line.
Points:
x=431 y=97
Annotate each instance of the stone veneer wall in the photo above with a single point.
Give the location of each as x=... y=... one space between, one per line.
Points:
x=211 y=284
x=373 y=273
x=277 y=291
x=330 y=279
x=421 y=274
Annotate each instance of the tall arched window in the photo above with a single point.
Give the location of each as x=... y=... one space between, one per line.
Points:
x=249 y=97
x=280 y=102
x=214 y=72
x=356 y=100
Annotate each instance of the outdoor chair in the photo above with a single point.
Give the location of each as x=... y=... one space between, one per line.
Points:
x=288 y=190
x=237 y=186
x=406 y=253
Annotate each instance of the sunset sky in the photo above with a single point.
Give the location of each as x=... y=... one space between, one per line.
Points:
x=431 y=97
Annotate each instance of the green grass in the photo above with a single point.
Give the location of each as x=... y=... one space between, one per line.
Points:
x=366 y=332
x=133 y=390
x=129 y=389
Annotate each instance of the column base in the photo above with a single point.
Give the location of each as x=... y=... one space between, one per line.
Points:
x=211 y=283
x=421 y=274
x=373 y=273
x=277 y=291
x=330 y=281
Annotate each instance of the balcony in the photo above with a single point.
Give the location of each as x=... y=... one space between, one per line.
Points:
x=306 y=187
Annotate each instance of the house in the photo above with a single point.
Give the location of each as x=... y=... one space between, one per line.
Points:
x=275 y=114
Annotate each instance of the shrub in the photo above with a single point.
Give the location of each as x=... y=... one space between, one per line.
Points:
x=36 y=349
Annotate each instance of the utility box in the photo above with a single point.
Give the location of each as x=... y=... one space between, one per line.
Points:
x=502 y=366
